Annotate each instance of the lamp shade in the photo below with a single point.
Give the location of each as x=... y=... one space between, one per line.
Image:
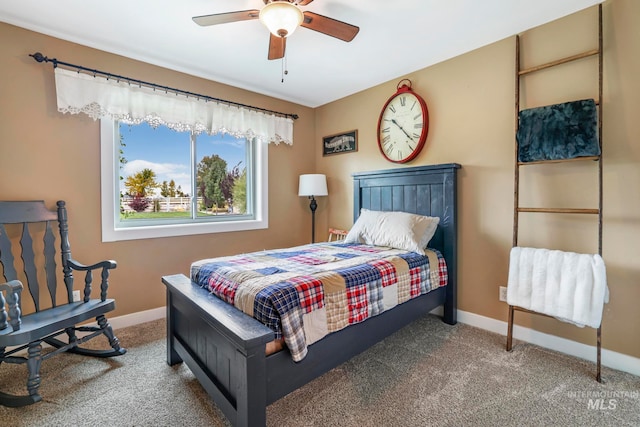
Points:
x=281 y=18
x=314 y=184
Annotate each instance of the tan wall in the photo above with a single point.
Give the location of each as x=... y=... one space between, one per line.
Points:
x=471 y=105
x=51 y=156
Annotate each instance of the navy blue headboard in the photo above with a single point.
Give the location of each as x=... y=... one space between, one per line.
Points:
x=424 y=190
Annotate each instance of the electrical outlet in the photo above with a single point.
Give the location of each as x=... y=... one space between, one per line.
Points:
x=76 y=296
x=503 y=293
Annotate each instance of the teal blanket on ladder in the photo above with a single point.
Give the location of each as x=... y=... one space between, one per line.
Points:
x=559 y=131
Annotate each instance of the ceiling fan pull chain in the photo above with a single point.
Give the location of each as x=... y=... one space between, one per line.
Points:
x=284 y=67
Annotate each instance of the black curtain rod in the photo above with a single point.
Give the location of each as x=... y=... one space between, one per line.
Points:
x=41 y=58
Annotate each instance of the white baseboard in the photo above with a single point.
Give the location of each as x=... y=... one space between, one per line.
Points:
x=610 y=358
x=137 y=318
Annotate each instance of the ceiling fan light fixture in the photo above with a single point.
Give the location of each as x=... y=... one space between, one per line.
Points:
x=281 y=18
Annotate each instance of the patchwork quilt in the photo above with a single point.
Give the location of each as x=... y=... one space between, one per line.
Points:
x=306 y=292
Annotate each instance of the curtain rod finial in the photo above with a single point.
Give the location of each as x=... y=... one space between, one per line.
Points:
x=41 y=58
x=38 y=57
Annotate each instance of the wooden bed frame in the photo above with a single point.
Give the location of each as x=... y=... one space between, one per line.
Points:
x=225 y=348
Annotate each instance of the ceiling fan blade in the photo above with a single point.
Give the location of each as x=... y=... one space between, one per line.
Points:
x=223 y=18
x=304 y=2
x=277 y=46
x=329 y=26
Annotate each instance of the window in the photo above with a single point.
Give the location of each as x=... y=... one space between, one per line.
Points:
x=158 y=182
x=115 y=99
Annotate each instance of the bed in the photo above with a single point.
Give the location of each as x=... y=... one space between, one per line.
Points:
x=225 y=348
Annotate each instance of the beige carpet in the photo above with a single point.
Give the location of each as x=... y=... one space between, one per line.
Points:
x=428 y=374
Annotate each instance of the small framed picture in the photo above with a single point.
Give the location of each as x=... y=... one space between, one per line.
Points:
x=340 y=143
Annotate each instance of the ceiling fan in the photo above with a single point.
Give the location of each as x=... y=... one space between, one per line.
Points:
x=282 y=17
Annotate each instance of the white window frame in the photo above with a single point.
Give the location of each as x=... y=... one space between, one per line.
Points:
x=110 y=176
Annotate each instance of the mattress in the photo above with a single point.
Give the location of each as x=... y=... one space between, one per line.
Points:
x=306 y=292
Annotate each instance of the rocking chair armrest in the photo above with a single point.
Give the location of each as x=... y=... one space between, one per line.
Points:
x=12 y=286
x=108 y=264
x=105 y=266
x=13 y=289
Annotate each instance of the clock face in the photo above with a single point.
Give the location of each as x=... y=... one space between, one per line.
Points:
x=403 y=126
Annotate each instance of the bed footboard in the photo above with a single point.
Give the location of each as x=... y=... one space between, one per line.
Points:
x=224 y=348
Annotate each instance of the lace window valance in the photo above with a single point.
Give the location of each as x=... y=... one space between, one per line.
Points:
x=130 y=103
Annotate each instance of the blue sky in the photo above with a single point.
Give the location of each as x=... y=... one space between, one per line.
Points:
x=166 y=152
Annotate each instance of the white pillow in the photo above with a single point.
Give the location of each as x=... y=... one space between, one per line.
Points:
x=400 y=230
x=366 y=221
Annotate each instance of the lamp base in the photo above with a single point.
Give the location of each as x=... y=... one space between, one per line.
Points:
x=313 y=205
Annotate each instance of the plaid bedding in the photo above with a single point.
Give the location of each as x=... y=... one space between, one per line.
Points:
x=306 y=292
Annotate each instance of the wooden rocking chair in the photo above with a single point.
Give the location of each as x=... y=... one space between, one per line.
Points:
x=23 y=223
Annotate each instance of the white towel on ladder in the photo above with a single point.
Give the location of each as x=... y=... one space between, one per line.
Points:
x=569 y=286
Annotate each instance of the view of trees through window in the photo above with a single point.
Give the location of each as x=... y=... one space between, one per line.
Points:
x=158 y=176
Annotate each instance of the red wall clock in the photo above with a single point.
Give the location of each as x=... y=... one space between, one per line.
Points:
x=403 y=125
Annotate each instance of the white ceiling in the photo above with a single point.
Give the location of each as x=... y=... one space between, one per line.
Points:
x=396 y=38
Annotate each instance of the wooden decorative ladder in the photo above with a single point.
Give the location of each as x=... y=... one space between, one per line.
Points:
x=519 y=73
